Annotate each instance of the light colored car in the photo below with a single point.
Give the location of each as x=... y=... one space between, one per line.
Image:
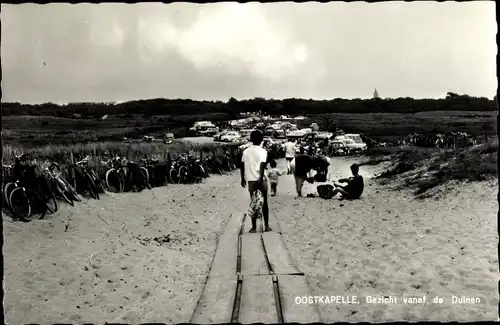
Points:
x=246 y=132
x=168 y=138
x=358 y=144
x=218 y=135
x=352 y=146
x=338 y=148
x=207 y=132
x=231 y=136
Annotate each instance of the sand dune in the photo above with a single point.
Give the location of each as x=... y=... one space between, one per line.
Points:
x=99 y=261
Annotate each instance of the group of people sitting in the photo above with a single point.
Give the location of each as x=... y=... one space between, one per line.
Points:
x=253 y=176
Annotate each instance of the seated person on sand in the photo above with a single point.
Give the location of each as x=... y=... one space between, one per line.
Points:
x=355 y=185
x=302 y=165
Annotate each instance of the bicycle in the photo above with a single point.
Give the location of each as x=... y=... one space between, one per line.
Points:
x=92 y=183
x=196 y=171
x=212 y=165
x=28 y=191
x=129 y=175
x=150 y=165
x=174 y=173
x=60 y=187
x=183 y=169
x=115 y=181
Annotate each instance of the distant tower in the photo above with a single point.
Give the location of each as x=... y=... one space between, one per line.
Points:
x=375 y=94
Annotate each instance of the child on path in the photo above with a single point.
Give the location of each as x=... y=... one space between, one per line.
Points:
x=273 y=174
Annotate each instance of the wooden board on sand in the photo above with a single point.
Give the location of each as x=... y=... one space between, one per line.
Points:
x=257 y=301
x=292 y=286
x=216 y=301
x=279 y=257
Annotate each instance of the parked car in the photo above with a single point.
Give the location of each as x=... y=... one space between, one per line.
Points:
x=338 y=148
x=231 y=136
x=219 y=134
x=352 y=146
x=246 y=132
x=208 y=132
x=168 y=138
x=358 y=144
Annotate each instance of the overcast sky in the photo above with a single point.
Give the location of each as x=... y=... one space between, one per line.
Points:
x=115 y=52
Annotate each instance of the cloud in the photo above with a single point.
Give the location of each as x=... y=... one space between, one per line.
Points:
x=230 y=36
x=86 y=52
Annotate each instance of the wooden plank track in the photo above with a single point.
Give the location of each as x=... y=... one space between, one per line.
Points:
x=257 y=301
x=292 y=286
x=254 y=280
x=279 y=256
x=217 y=300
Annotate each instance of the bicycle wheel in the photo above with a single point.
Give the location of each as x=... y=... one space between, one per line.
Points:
x=123 y=181
x=202 y=172
x=20 y=204
x=73 y=195
x=183 y=175
x=63 y=191
x=91 y=187
x=174 y=176
x=97 y=181
x=145 y=174
x=44 y=193
x=114 y=181
x=138 y=180
x=7 y=189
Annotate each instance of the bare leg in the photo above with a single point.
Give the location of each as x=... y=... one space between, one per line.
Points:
x=274 y=187
x=340 y=190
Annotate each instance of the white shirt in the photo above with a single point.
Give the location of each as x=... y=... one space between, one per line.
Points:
x=289 y=149
x=252 y=157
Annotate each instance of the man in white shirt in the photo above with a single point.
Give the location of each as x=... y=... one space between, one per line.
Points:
x=290 y=149
x=253 y=164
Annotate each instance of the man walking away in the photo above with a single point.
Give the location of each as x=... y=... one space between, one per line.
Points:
x=355 y=185
x=290 y=149
x=302 y=165
x=253 y=164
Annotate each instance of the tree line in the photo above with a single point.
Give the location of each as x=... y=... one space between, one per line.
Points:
x=233 y=107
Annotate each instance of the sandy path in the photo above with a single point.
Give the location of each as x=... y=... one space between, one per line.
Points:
x=111 y=269
x=389 y=243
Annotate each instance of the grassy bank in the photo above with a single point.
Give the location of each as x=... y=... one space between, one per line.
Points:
x=38 y=130
x=62 y=154
x=426 y=168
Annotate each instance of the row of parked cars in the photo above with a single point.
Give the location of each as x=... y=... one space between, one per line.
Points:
x=342 y=144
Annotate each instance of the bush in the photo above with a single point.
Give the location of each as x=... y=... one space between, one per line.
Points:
x=477 y=163
x=61 y=154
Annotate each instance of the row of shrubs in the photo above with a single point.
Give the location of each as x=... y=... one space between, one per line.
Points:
x=64 y=155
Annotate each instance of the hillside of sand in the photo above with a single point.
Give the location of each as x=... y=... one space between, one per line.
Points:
x=143 y=257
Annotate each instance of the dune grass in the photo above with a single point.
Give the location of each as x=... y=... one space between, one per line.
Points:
x=427 y=168
x=62 y=154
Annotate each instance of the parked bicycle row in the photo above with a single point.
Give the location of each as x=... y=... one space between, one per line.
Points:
x=30 y=189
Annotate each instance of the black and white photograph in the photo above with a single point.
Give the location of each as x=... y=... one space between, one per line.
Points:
x=249 y=162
